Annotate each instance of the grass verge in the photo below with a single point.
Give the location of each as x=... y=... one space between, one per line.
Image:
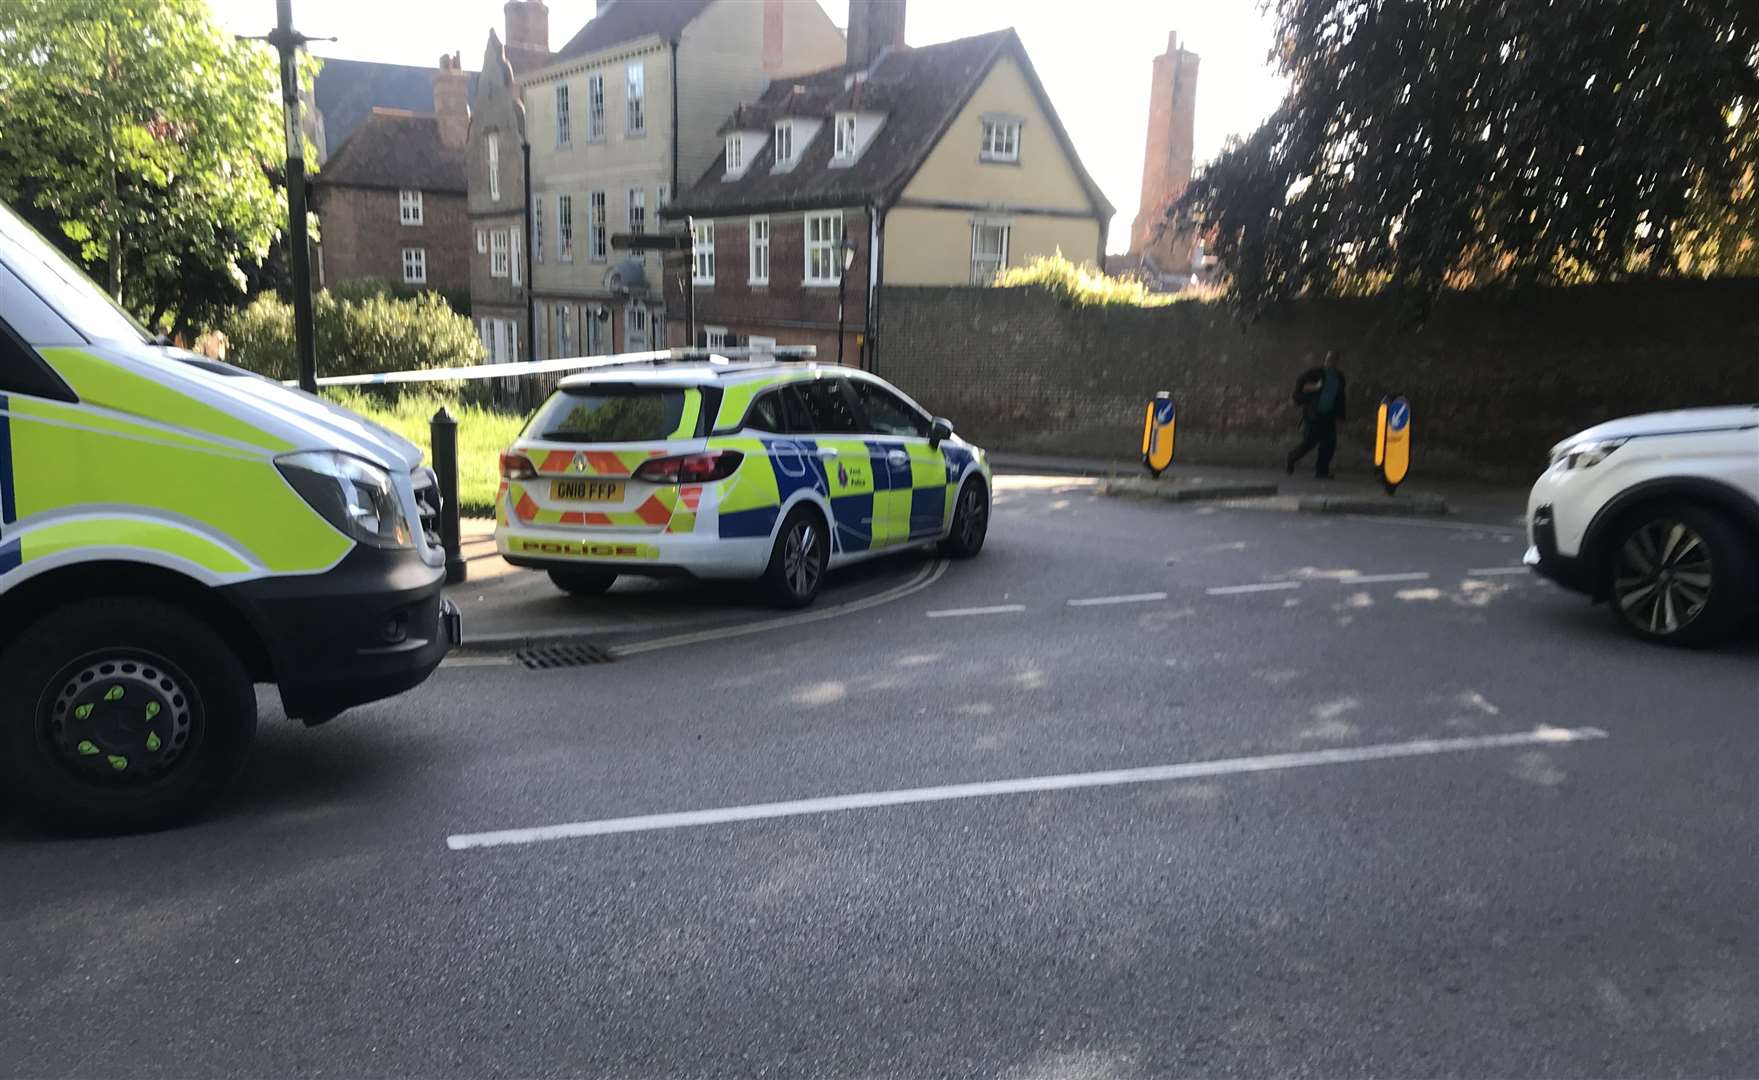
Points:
x=482 y=435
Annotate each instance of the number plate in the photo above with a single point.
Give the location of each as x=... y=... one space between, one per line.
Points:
x=584 y=490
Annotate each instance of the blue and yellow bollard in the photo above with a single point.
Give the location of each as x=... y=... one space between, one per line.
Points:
x=1157 y=433
x=1392 y=441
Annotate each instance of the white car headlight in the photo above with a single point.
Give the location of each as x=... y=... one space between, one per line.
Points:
x=1585 y=455
x=354 y=495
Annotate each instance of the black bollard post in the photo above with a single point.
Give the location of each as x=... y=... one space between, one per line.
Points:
x=444 y=432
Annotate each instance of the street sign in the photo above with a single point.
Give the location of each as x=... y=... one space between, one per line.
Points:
x=1157 y=433
x=650 y=241
x=1392 y=441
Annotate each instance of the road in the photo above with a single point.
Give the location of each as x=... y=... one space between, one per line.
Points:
x=1423 y=815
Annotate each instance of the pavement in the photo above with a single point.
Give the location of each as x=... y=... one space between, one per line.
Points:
x=1140 y=791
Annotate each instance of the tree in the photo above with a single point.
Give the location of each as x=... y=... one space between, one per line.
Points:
x=145 y=134
x=1433 y=143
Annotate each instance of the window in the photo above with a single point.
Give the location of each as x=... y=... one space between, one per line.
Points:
x=989 y=251
x=634 y=328
x=735 y=153
x=702 y=253
x=634 y=120
x=537 y=229
x=595 y=107
x=495 y=167
x=662 y=196
x=1001 y=140
x=828 y=405
x=515 y=262
x=784 y=143
x=637 y=211
x=845 y=144
x=760 y=251
x=714 y=337
x=540 y=336
x=565 y=228
x=500 y=338
x=887 y=413
x=595 y=414
x=796 y=416
x=593 y=333
x=498 y=253
x=564 y=339
x=415 y=266
x=409 y=207
x=598 y=241
x=564 y=136
x=824 y=235
x=482 y=241
x=766 y=413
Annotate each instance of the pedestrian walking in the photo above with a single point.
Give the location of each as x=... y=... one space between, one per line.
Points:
x=1320 y=394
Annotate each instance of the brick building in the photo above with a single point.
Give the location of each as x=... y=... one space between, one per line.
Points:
x=391 y=198
x=1164 y=257
x=929 y=166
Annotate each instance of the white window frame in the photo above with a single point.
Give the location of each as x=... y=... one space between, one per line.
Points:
x=845 y=129
x=514 y=262
x=662 y=196
x=829 y=245
x=702 y=253
x=595 y=107
x=635 y=98
x=415 y=266
x=598 y=243
x=564 y=342
x=758 y=257
x=482 y=241
x=537 y=228
x=634 y=314
x=564 y=228
x=409 y=209
x=784 y=137
x=1000 y=139
x=714 y=337
x=637 y=199
x=564 y=116
x=592 y=332
x=495 y=167
x=498 y=260
x=986 y=265
x=735 y=153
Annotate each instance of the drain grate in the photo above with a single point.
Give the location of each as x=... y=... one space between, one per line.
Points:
x=567 y=654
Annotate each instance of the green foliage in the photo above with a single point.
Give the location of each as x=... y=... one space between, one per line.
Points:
x=482 y=434
x=140 y=132
x=370 y=334
x=1080 y=285
x=363 y=288
x=1426 y=145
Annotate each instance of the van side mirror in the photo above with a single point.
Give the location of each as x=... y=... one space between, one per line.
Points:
x=939 y=431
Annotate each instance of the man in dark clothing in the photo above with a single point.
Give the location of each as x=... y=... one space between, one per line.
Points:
x=1320 y=394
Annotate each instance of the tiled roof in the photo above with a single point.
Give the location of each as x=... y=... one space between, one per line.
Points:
x=347 y=91
x=921 y=91
x=396 y=149
x=627 y=20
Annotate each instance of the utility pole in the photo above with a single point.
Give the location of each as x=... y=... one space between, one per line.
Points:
x=288 y=42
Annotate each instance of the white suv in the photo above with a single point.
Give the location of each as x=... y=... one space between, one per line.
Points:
x=1658 y=514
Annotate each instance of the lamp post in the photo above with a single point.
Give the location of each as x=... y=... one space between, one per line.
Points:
x=843 y=290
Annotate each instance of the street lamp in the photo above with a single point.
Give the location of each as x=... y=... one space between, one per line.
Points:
x=843 y=290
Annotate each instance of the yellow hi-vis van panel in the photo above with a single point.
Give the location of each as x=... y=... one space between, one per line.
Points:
x=99 y=382
x=109 y=531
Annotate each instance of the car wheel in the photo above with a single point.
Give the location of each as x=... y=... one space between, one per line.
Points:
x=970 y=521
x=582 y=582
x=121 y=715
x=796 y=569
x=1679 y=574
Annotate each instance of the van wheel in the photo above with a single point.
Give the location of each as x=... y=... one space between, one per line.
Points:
x=970 y=522
x=797 y=564
x=1679 y=574
x=121 y=715
x=582 y=582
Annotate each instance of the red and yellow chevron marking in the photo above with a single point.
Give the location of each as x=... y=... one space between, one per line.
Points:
x=615 y=464
x=654 y=512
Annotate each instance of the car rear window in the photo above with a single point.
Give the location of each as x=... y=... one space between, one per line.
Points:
x=607 y=414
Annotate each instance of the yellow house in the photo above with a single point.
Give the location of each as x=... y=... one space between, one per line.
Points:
x=939 y=165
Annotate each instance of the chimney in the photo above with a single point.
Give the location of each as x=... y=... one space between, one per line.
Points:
x=528 y=26
x=452 y=100
x=1166 y=167
x=772 y=38
x=603 y=4
x=874 y=27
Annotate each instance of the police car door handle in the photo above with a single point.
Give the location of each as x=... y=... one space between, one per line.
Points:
x=827 y=451
x=898 y=457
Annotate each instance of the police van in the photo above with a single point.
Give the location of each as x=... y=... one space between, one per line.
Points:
x=716 y=466
x=173 y=530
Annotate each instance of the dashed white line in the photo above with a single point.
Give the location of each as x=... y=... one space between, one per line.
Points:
x=1268 y=586
x=998 y=609
x=1371 y=579
x=1064 y=782
x=1497 y=571
x=1133 y=598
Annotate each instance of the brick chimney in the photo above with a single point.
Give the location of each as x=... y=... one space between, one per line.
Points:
x=772 y=38
x=874 y=26
x=1166 y=167
x=452 y=100
x=528 y=25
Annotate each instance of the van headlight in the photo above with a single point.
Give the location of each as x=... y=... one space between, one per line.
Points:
x=1585 y=455
x=352 y=494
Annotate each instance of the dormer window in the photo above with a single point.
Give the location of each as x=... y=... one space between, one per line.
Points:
x=784 y=142
x=844 y=148
x=1001 y=139
x=735 y=154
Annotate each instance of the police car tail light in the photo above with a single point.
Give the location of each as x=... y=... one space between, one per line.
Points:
x=517 y=467
x=690 y=468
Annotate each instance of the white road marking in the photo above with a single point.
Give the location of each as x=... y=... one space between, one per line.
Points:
x=998 y=609
x=476 y=661
x=1133 y=598
x=1064 y=782
x=1268 y=586
x=1370 y=579
x=928 y=575
x=1457 y=526
x=1497 y=571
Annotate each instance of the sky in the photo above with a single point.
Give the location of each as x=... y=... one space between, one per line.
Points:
x=1093 y=56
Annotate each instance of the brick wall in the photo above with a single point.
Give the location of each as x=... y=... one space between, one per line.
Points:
x=364 y=237
x=1494 y=379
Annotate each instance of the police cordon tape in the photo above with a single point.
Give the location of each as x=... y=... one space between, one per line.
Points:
x=577 y=363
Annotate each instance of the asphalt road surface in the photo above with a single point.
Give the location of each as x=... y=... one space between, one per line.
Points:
x=1141 y=791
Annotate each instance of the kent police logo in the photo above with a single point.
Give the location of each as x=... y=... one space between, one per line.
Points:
x=842 y=475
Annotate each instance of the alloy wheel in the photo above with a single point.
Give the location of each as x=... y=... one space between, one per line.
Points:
x=1663 y=577
x=801 y=565
x=971 y=516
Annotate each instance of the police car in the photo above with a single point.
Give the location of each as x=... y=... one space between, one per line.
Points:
x=710 y=466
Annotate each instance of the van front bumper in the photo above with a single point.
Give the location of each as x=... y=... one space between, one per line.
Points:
x=374 y=625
